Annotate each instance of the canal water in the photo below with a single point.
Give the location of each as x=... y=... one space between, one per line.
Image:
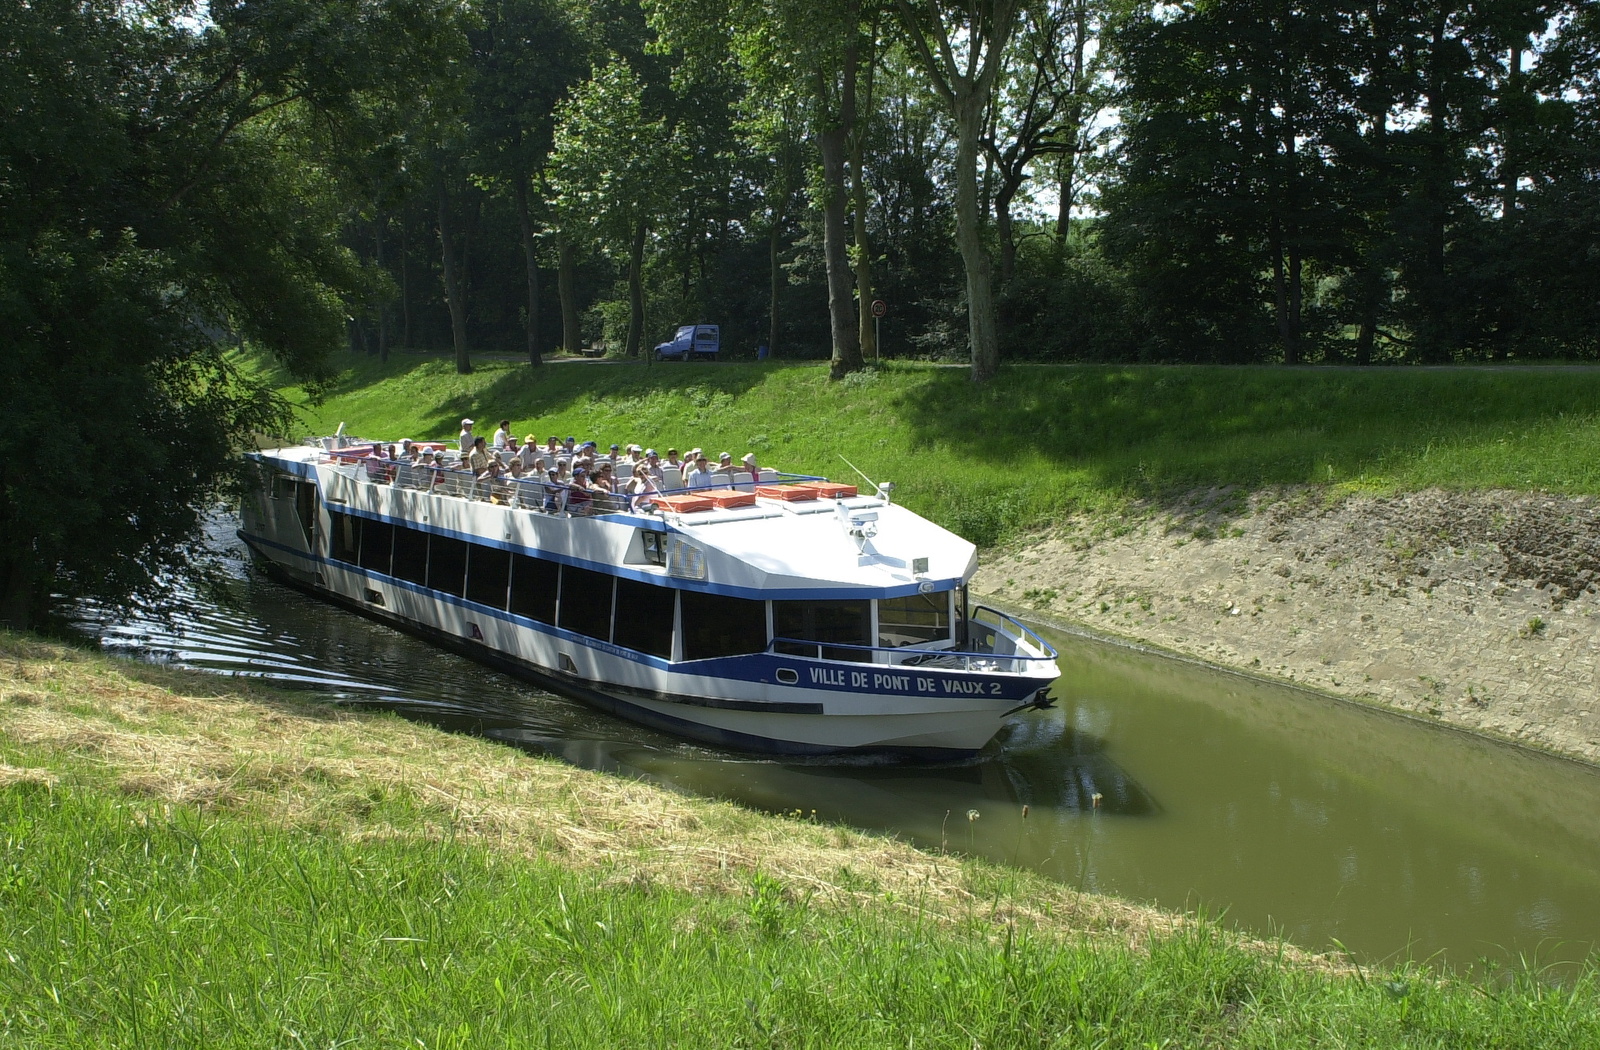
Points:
x=1291 y=814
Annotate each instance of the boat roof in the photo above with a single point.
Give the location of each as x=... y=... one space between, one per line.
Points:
x=821 y=548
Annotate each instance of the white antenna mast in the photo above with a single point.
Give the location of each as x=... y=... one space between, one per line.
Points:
x=882 y=490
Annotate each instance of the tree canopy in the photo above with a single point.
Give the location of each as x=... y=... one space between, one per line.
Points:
x=1359 y=182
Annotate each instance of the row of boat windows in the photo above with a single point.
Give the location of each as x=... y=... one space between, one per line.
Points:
x=629 y=613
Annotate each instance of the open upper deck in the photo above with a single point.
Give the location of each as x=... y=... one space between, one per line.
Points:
x=790 y=534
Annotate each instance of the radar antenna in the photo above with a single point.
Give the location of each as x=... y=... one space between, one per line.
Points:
x=882 y=490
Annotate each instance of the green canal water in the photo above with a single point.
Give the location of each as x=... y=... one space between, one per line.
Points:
x=1291 y=814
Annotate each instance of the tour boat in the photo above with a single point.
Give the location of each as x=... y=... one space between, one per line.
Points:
x=781 y=614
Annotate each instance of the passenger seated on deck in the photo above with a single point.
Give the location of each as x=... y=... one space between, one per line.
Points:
x=642 y=491
x=579 y=495
x=673 y=460
x=604 y=478
x=725 y=463
x=408 y=452
x=438 y=467
x=502 y=435
x=477 y=460
x=701 y=477
x=651 y=466
x=515 y=469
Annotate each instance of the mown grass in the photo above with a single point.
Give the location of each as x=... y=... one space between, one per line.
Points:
x=1038 y=440
x=188 y=862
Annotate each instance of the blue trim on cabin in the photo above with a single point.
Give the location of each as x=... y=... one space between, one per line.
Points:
x=757 y=668
x=640 y=576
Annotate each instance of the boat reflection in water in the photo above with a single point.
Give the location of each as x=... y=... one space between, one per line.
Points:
x=1051 y=770
x=1296 y=815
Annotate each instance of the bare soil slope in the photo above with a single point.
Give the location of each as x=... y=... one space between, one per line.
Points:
x=1477 y=609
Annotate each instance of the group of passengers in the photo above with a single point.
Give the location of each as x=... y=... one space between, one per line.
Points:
x=575 y=476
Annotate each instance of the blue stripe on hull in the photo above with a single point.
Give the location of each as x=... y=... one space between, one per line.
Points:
x=594 y=696
x=836 y=676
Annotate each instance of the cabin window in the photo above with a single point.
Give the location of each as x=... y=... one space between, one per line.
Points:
x=533 y=588
x=447 y=564
x=847 y=622
x=410 y=555
x=644 y=617
x=346 y=544
x=916 y=619
x=655 y=546
x=488 y=574
x=586 y=602
x=377 y=544
x=717 y=626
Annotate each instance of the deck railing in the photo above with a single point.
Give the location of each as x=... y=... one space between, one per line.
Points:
x=528 y=493
x=993 y=659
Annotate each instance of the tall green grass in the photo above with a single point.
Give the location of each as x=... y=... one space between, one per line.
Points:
x=127 y=923
x=1038 y=439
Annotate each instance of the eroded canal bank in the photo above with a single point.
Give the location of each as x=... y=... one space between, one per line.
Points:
x=1312 y=818
x=1476 y=610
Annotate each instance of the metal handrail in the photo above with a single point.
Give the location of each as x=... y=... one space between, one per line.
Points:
x=454 y=482
x=1012 y=621
x=953 y=654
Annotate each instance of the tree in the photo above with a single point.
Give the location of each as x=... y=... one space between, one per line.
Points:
x=962 y=59
x=166 y=190
x=815 y=49
x=526 y=56
x=607 y=166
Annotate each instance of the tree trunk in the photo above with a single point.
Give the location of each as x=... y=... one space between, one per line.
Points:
x=831 y=143
x=405 y=286
x=636 y=290
x=567 y=286
x=866 y=335
x=380 y=307
x=1508 y=159
x=776 y=286
x=981 y=330
x=453 y=294
x=1283 y=307
x=1367 y=333
x=532 y=260
x=841 y=307
x=1004 y=229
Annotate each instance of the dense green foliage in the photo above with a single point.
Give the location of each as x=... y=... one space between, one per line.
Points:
x=1220 y=182
x=1127 y=181
x=1038 y=440
x=166 y=188
x=129 y=924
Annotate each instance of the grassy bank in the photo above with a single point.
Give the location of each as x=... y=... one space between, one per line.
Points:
x=992 y=460
x=190 y=862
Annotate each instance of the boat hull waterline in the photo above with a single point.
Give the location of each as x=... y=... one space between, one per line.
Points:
x=653 y=653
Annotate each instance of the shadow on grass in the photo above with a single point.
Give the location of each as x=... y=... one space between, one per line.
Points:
x=518 y=391
x=1149 y=429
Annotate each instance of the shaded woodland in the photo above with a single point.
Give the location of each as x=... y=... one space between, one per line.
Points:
x=1020 y=180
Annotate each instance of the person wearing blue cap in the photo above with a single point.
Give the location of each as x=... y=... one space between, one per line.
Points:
x=651 y=466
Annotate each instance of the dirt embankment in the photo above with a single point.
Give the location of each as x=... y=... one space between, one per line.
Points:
x=1476 y=609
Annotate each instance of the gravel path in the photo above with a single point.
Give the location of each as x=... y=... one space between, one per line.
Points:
x=1476 y=609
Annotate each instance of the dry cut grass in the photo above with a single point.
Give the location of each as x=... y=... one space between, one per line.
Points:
x=180 y=737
